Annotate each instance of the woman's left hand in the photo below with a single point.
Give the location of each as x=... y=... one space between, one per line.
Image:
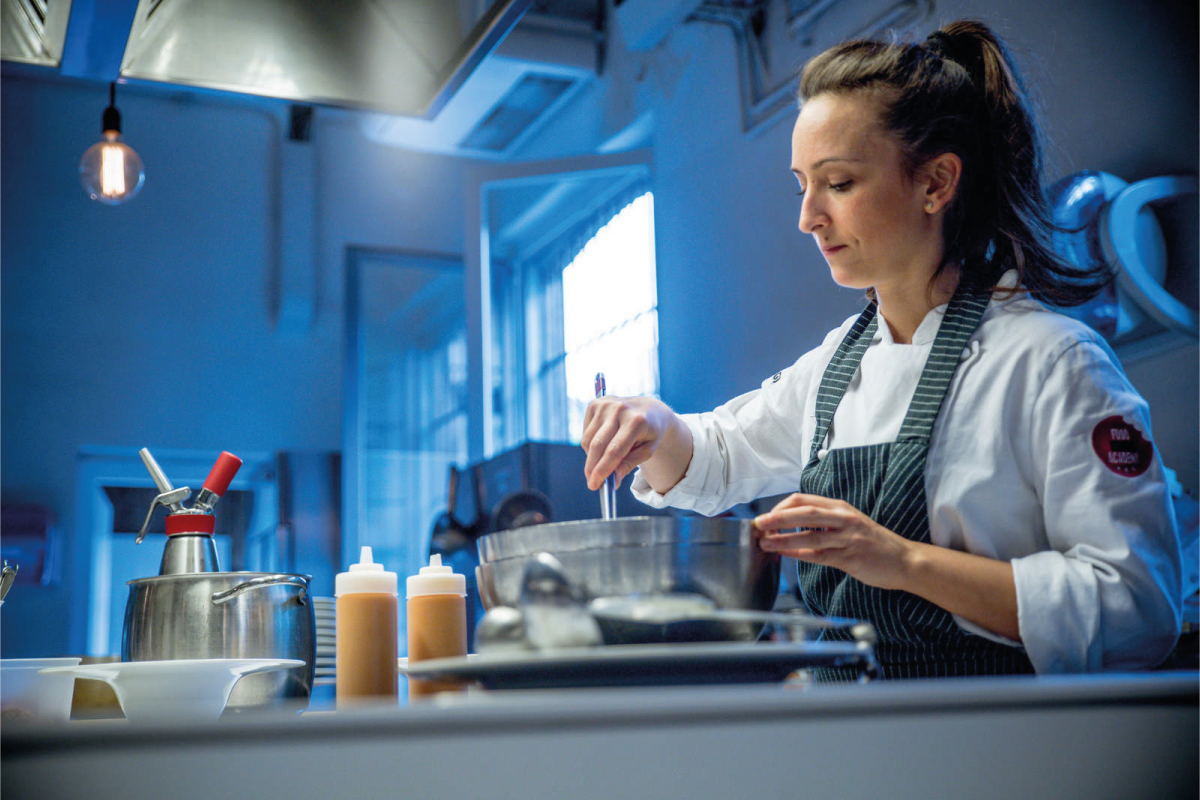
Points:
x=836 y=534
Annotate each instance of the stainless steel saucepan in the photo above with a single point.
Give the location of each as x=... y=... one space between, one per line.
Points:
x=227 y=615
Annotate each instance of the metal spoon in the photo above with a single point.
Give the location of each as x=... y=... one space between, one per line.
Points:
x=608 y=493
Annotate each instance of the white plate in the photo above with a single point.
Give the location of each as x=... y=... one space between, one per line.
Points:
x=186 y=689
x=27 y=694
x=643 y=665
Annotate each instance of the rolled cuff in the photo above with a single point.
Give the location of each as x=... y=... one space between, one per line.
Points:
x=691 y=493
x=1058 y=613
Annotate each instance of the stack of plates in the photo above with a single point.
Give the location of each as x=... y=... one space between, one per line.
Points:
x=325 y=609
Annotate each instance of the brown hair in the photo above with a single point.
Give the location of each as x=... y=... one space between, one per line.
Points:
x=959 y=92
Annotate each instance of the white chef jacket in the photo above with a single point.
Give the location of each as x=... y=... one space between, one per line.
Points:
x=1012 y=473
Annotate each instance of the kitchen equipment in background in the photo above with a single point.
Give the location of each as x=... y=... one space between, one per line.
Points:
x=28 y=695
x=521 y=508
x=1105 y=220
x=450 y=533
x=713 y=557
x=194 y=611
x=175 y=691
x=608 y=492
x=393 y=57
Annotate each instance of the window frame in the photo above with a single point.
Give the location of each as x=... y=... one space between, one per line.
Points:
x=481 y=181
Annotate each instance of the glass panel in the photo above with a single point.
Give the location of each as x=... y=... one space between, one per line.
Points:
x=610 y=319
x=577 y=299
x=410 y=399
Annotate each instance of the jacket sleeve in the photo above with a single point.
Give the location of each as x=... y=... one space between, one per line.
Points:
x=1106 y=595
x=755 y=445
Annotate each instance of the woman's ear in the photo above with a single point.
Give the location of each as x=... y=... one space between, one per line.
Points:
x=940 y=177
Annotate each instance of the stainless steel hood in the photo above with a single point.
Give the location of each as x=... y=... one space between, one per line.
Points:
x=404 y=57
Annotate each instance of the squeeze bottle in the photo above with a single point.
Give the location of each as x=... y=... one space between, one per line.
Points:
x=437 y=622
x=366 y=633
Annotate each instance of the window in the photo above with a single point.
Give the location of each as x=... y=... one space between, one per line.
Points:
x=589 y=305
x=610 y=312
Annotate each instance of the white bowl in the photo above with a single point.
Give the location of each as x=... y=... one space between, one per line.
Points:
x=27 y=694
x=174 y=691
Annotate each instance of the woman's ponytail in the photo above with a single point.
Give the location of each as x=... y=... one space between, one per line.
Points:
x=959 y=91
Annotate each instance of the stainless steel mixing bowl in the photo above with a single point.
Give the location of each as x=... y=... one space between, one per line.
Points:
x=714 y=557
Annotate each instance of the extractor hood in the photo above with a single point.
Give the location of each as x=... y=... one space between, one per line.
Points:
x=404 y=57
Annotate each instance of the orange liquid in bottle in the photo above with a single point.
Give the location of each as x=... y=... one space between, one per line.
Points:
x=366 y=647
x=437 y=628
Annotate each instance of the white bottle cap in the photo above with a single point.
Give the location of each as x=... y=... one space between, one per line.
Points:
x=365 y=576
x=436 y=579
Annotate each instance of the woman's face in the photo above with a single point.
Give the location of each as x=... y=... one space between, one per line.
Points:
x=864 y=212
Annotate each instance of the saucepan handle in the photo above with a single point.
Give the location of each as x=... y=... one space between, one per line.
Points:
x=257 y=583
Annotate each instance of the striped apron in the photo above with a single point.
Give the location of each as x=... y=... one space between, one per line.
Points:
x=887 y=483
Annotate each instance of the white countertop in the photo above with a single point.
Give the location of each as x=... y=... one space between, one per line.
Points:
x=1105 y=735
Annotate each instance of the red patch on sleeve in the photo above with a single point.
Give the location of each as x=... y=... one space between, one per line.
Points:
x=1121 y=447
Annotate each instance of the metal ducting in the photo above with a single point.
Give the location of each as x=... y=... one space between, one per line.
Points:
x=404 y=57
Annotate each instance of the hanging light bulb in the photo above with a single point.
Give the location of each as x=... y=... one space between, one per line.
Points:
x=110 y=170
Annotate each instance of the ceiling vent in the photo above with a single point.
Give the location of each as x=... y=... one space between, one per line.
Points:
x=33 y=31
x=517 y=112
x=403 y=57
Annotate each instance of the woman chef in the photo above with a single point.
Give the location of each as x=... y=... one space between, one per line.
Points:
x=976 y=475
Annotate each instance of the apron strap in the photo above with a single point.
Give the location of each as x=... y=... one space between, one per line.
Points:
x=962 y=318
x=841 y=369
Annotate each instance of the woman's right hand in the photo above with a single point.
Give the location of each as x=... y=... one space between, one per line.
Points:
x=621 y=433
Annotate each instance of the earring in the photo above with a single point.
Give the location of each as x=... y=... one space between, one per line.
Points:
x=929 y=205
